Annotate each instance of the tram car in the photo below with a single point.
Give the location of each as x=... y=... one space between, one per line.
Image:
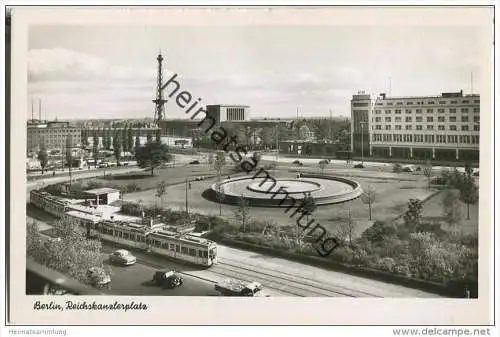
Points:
x=185 y=247
x=149 y=237
x=48 y=202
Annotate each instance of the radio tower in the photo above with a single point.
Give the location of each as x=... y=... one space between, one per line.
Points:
x=159 y=101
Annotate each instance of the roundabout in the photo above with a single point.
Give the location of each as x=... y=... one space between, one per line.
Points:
x=285 y=191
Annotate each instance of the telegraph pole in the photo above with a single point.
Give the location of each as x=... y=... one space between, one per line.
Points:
x=187 y=209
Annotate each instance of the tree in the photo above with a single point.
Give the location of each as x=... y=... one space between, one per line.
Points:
x=161 y=190
x=469 y=193
x=43 y=157
x=219 y=162
x=242 y=213
x=413 y=215
x=220 y=195
x=368 y=197
x=307 y=207
x=468 y=169
x=108 y=140
x=322 y=165
x=124 y=139
x=152 y=155
x=69 y=150
x=210 y=160
x=428 y=173
x=130 y=140
x=346 y=230
x=451 y=206
x=73 y=254
x=137 y=143
x=95 y=148
x=117 y=147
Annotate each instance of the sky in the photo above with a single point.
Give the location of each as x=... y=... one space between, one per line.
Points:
x=110 y=71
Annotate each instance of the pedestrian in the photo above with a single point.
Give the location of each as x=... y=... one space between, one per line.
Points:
x=189 y=185
x=53 y=173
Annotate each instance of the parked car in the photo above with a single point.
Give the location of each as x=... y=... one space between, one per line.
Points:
x=408 y=169
x=298 y=163
x=194 y=162
x=103 y=165
x=324 y=161
x=359 y=166
x=123 y=257
x=98 y=277
x=167 y=279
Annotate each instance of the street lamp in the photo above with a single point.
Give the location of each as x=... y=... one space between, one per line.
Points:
x=362 y=140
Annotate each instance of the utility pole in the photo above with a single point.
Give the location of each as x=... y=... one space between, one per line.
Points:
x=277 y=144
x=187 y=209
x=362 y=141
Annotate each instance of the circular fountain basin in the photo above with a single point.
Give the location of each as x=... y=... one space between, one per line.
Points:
x=284 y=192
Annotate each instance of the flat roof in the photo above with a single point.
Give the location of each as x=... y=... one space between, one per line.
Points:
x=103 y=190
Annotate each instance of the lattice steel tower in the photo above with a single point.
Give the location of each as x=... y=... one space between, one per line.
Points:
x=159 y=101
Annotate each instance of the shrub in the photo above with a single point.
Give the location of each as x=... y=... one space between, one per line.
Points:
x=130 y=188
x=378 y=232
x=386 y=263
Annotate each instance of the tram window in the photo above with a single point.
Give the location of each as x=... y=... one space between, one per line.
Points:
x=192 y=252
x=177 y=249
x=172 y=247
x=184 y=250
x=200 y=253
x=157 y=243
x=164 y=245
x=205 y=254
x=125 y=235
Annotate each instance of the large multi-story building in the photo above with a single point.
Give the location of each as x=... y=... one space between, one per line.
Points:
x=54 y=135
x=442 y=128
x=223 y=113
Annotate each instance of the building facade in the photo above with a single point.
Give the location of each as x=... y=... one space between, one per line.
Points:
x=223 y=113
x=442 y=128
x=53 y=135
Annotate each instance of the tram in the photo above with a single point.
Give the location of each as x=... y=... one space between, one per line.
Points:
x=184 y=247
x=146 y=236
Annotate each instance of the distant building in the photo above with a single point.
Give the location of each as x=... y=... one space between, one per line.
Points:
x=223 y=113
x=52 y=134
x=444 y=127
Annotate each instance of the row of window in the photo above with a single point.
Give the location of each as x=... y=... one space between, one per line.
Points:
x=428 y=127
x=409 y=119
x=463 y=101
x=442 y=139
x=430 y=110
x=54 y=131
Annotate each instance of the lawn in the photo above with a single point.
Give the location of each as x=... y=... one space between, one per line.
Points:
x=434 y=211
x=392 y=194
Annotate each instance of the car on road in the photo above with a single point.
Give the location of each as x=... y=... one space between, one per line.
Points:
x=103 y=165
x=408 y=168
x=167 y=279
x=194 y=162
x=98 y=277
x=123 y=257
